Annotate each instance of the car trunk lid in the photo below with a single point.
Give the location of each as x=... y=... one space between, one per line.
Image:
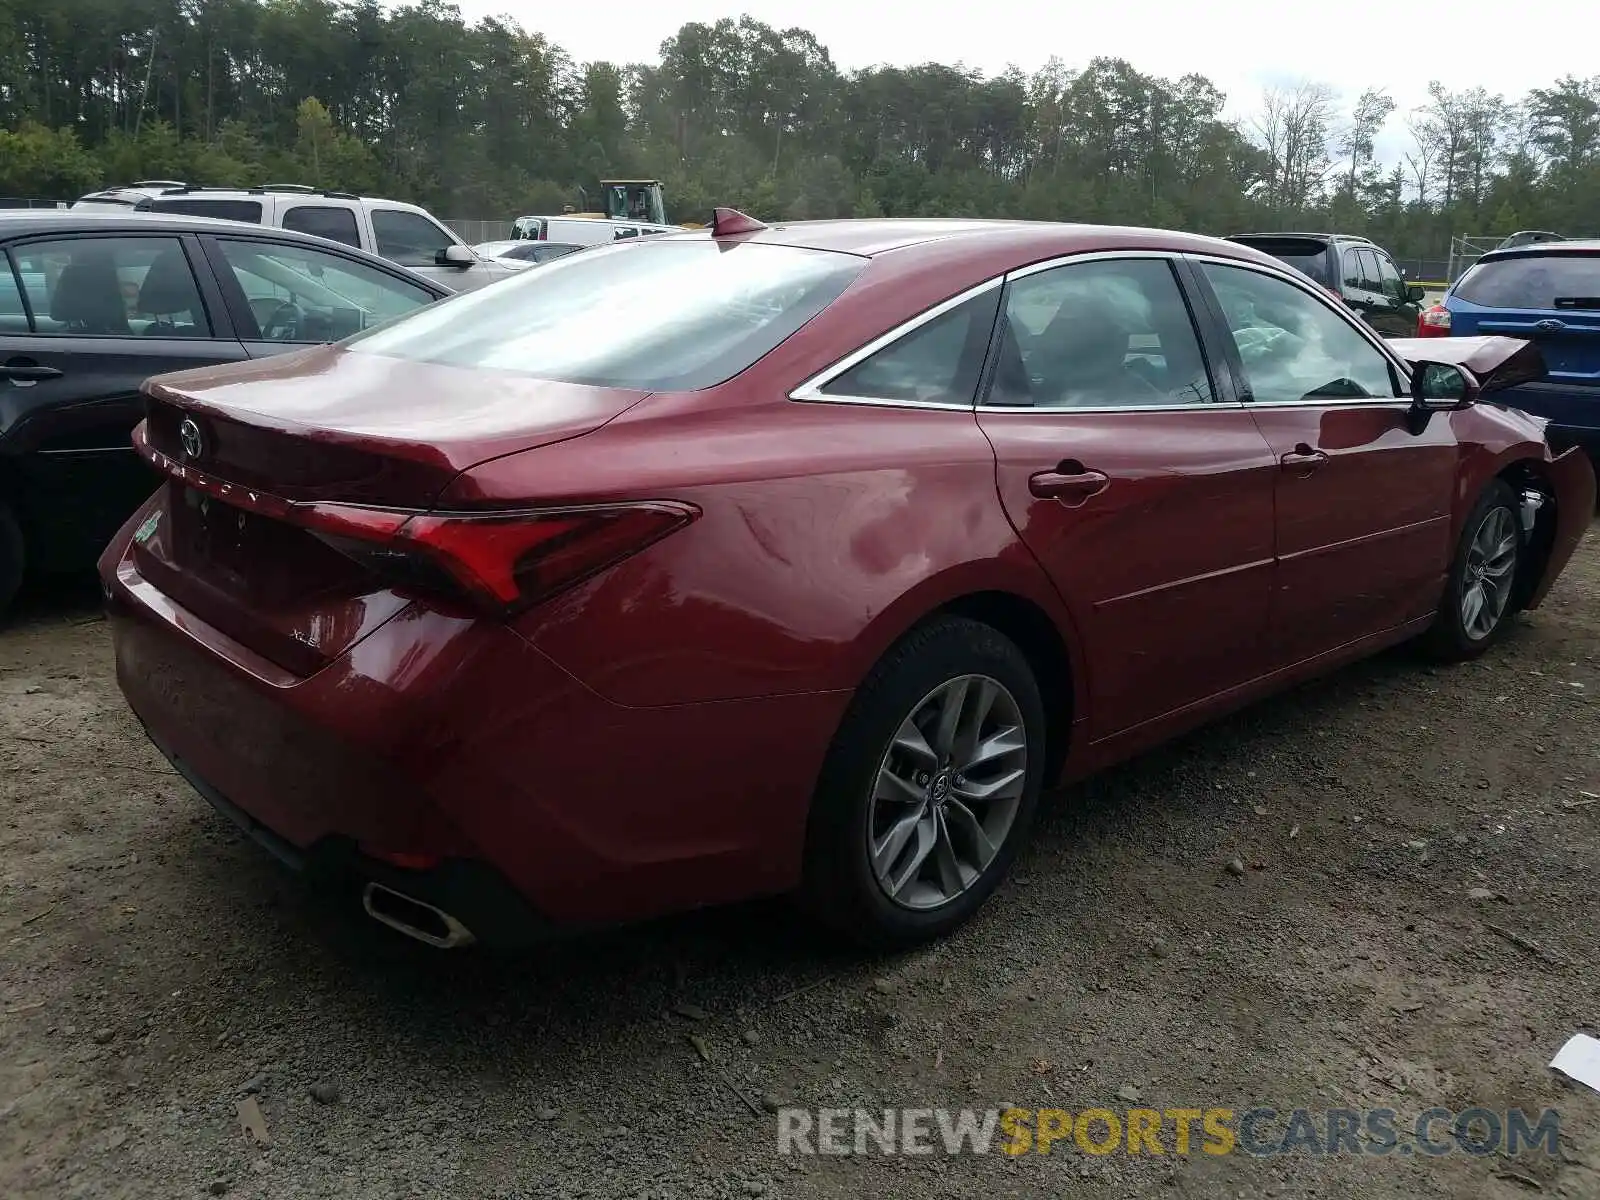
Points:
x=263 y=461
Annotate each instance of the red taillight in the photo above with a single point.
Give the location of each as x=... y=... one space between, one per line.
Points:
x=1434 y=322
x=504 y=561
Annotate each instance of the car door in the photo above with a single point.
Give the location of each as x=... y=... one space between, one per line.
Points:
x=1398 y=315
x=1143 y=490
x=417 y=241
x=286 y=295
x=1363 y=492
x=102 y=314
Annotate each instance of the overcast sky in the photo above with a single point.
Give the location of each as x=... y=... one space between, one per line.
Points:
x=1241 y=45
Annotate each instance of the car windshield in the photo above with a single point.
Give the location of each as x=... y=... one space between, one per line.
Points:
x=1536 y=281
x=648 y=315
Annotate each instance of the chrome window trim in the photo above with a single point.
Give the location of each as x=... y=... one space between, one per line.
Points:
x=1360 y=326
x=811 y=390
x=1073 y=410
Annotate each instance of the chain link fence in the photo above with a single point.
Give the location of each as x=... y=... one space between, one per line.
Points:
x=475 y=231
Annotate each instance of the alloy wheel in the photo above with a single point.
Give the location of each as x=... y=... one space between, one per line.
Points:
x=1490 y=573
x=947 y=792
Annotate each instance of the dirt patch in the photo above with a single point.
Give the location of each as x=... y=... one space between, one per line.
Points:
x=156 y=970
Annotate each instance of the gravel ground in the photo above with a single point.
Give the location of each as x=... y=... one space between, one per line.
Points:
x=156 y=970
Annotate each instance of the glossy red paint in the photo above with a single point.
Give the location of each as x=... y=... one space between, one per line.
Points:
x=649 y=739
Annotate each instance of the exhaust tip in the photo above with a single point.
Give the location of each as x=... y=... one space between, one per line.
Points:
x=414 y=918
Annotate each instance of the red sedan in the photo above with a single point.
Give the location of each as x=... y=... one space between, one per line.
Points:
x=795 y=559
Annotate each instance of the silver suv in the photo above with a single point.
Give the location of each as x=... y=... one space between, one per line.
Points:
x=402 y=233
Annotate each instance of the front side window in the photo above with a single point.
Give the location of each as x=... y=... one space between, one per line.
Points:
x=324 y=220
x=112 y=287
x=408 y=238
x=938 y=362
x=1292 y=346
x=1370 y=279
x=652 y=315
x=1107 y=334
x=1389 y=280
x=297 y=294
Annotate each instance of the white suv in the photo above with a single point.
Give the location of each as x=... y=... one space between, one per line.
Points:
x=400 y=232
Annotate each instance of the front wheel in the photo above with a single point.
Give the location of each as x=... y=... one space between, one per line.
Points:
x=929 y=788
x=1477 y=606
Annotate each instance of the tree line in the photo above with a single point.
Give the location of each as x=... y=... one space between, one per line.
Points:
x=488 y=120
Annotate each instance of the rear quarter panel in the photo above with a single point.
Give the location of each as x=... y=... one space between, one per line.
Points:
x=826 y=532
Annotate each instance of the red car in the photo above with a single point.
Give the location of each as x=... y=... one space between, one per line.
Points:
x=795 y=559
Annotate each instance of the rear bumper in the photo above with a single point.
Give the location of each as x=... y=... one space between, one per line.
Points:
x=457 y=740
x=471 y=891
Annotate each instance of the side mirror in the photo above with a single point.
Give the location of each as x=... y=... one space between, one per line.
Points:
x=456 y=255
x=1416 y=293
x=1442 y=387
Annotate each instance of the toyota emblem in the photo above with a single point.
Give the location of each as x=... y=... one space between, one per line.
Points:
x=189 y=435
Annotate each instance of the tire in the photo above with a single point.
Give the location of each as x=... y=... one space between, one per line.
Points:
x=13 y=559
x=949 y=662
x=1493 y=519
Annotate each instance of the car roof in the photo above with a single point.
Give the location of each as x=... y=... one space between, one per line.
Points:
x=28 y=222
x=1304 y=236
x=1545 y=249
x=15 y=221
x=873 y=236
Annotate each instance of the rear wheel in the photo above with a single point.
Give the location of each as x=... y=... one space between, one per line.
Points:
x=13 y=560
x=1478 y=606
x=929 y=789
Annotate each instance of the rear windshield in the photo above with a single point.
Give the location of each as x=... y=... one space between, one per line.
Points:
x=1309 y=258
x=1548 y=281
x=645 y=314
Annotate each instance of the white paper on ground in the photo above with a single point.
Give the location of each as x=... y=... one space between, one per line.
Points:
x=1580 y=1059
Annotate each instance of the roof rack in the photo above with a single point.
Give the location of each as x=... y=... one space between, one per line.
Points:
x=302 y=188
x=153 y=183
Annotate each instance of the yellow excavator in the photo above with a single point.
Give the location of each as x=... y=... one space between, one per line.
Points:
x=632 y=200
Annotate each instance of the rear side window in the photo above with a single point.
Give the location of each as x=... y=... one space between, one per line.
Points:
x=408 y=238
x=1538 y=281
x=112 y=287
x=324 y=220
x=652 y=315
x=225 y=210
x=1099 y=335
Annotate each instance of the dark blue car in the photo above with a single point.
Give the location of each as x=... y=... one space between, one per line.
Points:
x=1548 y=293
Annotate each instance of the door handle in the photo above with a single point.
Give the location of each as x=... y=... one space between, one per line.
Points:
x=25 y=370
x=1071 y=483
x=1303 y=459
